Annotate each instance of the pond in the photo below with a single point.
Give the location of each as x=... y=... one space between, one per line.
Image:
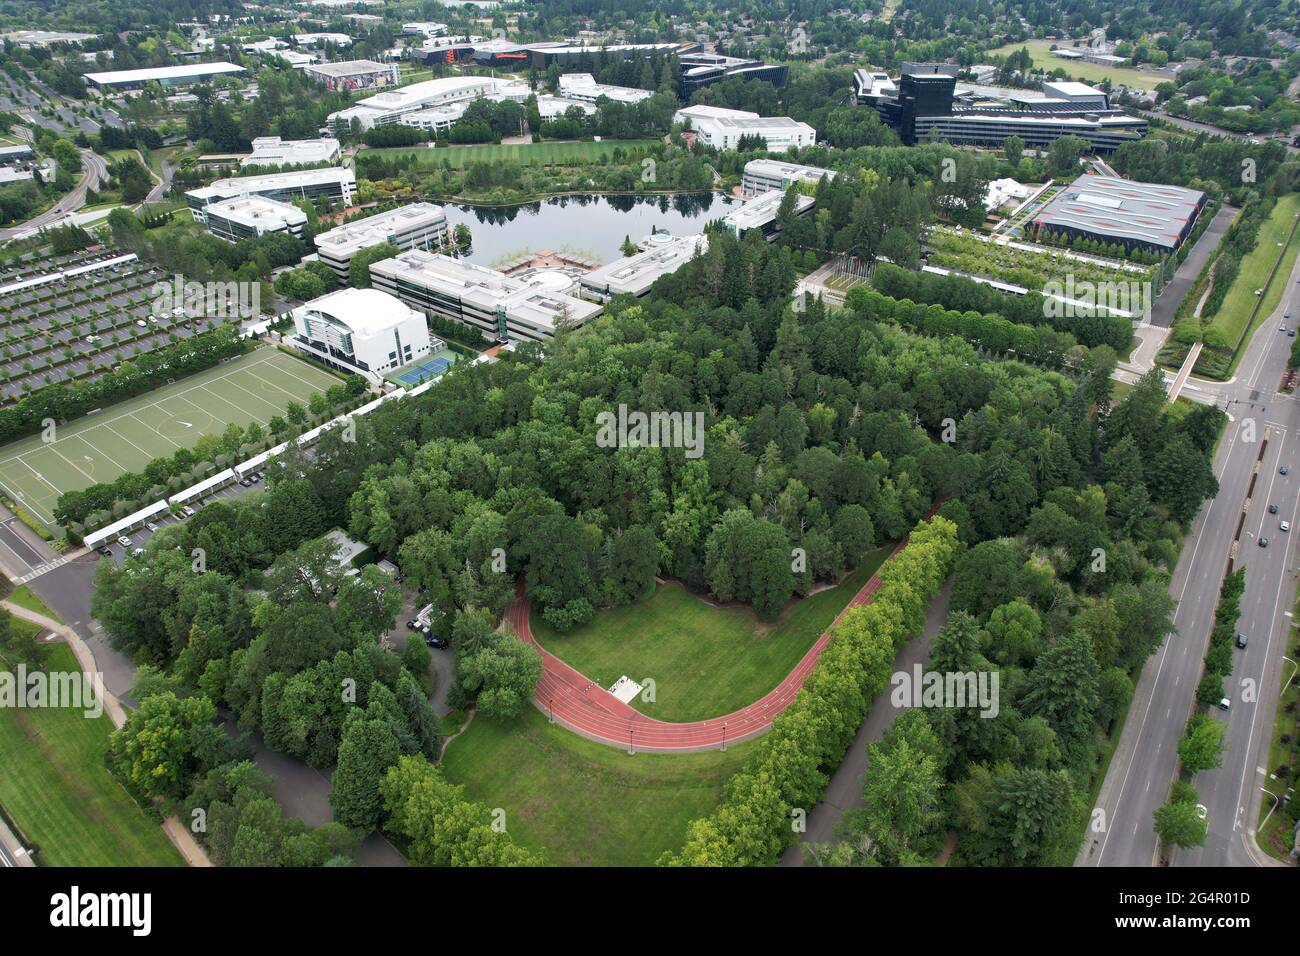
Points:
x=592 y=226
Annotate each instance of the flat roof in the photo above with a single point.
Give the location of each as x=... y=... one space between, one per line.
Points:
x=273 y=151
x=487 y=289
x=1071 y=88
x=160 y=73
x=351 y=68
x=379 y=228
x=1150 y=213
x=775 y=168
x=258 y=210
x=635 y=274
x=273 y=182
x=761 y=210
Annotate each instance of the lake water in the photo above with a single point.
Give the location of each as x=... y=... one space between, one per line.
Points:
x=590 y=226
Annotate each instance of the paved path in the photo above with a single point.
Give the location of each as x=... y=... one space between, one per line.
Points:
x=578 y=703
x=844 y=791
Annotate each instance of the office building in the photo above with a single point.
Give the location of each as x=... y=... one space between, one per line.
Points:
x=392 y=105
x=1135 y=215
x=312 y=40
x=723 y=129
x=661 y=254
x=502 y=308
x=700 y=69
x=248 y=217
x=348 y=75
x=763 y=175
x=276 y=152
x=920 y=106
x=361 y=330
x=583 y=86
x=760 y=213
x=420 y=225
x=335 y=184
x=167 y=76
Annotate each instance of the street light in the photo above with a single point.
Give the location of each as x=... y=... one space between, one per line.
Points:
x=631 y=752
x=724 y=736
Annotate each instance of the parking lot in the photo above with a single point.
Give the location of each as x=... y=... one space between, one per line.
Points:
x=80 y=326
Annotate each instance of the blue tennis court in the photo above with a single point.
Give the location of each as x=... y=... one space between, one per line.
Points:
x=422 y=371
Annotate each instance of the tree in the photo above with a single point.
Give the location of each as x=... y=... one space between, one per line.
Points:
x=1064 y=154
x=1202 y=746
x=157 y=750
x=359 y=264
x=1013 y=148
x=367 y=751
x=1181 y=824
x=501 y=676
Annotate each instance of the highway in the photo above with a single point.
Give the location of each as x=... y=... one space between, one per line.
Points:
x=1146 y=760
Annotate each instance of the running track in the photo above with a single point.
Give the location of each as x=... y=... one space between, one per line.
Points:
x=578 y=703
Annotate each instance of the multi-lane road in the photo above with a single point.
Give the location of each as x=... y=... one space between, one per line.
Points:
x=1263 y=434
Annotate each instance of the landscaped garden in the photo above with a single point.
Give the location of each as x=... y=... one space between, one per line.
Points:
x=705 y=660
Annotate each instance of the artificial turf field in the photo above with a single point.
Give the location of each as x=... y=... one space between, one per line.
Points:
x=127 y=436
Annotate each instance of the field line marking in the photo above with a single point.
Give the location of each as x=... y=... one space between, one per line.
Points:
x=155 y=428
x=74 y=464
x=296 y=397
x=22 y=500
x=320 y=388
x=125 y=439
x=233 y=405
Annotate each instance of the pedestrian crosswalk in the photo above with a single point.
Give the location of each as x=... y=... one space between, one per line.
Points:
x=45 y=568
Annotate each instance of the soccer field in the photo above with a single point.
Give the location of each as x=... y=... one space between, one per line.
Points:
x=127 y=436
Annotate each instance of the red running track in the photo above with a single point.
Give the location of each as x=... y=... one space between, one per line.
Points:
x=578 y=703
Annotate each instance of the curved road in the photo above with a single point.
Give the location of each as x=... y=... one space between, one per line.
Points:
x=578 y=703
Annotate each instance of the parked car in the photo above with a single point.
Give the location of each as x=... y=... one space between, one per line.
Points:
x=1284 y=470
x=124 y=541
x=188 y=512
x=105 y=550
x=137 y=552
x=1224 y=704
x=246 y=482
x=151 y=526
x=441 y=643
x=1241 y=640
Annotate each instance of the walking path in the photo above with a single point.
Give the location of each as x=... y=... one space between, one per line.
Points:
x=575 y=701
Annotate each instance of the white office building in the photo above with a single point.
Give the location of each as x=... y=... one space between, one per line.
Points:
x=248 y=217
x=723 y=128
x=502 y=308
x=661 y=254
x=391 y=106
x=361 y=330
x=760 y=212
x=340 y=40
x=424 y=29
x=420 y=225
x=583 y=86
x=276 y=152
x=764 y=175
x=334 y=183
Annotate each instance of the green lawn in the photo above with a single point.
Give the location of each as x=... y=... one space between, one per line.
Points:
x=1040 y=52
x=705 y=660
x=54 y=785
x=527 y=154
x=582 y=803
x=24 y=596
x=1240 y=301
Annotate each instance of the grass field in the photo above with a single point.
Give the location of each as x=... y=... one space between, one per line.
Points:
x=24 y=596
x=581 y=803
x=1240 y=300
x=54 y=785
x=127 y=436
x=526 y=154
x=705 y=660
x=1040 y=52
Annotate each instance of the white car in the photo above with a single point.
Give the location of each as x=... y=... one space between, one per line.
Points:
x=1285 y=526
x=124 y=541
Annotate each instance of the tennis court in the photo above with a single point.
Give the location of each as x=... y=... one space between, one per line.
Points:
x=127 y=436
x=423 y=371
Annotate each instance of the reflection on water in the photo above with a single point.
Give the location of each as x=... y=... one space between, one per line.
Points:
x=590 y=225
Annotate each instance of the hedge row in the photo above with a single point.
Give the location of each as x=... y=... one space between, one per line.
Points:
x=1038 y=344
x=960 y=293
x=791 y=767
x=1218 y=659
x=136 y=376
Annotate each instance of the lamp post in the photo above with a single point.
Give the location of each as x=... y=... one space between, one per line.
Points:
x=550 y=708
x=631 y=750
x=724 y=736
